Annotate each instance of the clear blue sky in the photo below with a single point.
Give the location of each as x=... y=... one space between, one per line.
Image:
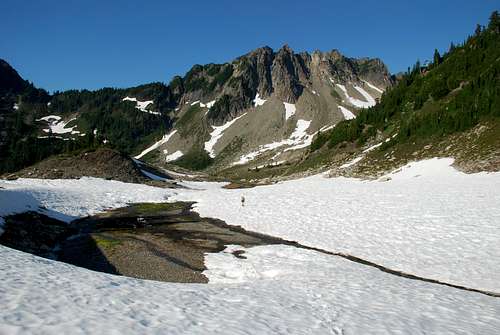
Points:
x=91 y=44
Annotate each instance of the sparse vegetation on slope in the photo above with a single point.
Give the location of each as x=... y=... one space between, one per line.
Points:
x=452 y=94
x=456 y=92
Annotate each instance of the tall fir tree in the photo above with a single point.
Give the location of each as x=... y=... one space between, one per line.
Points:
x=437 y=57
x=494 y=24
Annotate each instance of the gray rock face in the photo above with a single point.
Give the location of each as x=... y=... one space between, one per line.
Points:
x=284 y=74
x=257 y=70
x=288 y=74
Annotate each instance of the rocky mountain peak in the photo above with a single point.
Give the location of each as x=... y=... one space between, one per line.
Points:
x=285 y=49
x=282 y=74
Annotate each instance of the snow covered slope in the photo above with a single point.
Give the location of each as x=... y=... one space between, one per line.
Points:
x=297 y=140
x=279 y=290
x=429 y=220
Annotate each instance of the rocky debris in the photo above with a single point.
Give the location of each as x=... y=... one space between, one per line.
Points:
x=165 y=242
x=102 y=163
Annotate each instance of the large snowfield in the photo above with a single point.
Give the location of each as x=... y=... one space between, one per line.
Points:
x=281 y=290
x=428 y=220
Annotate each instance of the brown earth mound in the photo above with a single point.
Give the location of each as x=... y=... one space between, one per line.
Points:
x=102 y=163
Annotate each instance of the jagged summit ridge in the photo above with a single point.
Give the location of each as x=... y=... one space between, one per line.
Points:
x=318 y=89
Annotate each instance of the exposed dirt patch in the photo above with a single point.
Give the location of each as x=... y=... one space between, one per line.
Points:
x=165 y=242
x=236 y=185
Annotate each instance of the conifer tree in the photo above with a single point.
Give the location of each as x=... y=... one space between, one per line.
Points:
x=494 y=24
x=478 y=30
x=437 y=57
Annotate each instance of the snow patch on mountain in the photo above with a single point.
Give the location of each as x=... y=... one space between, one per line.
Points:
x=217 y=133
x=373 y=87
x=174 y=156
x=327 y=127
x=208 y=105
x=351 y=162
x=258 y=101
x=164 y=140
x=58 y=137
x=58 y=126
x=356 y=102
x=141 y=105
x=290 y=110
x=371 y=101
x=297 y=140
x=348 y=115
x=375 y=146
x=50 y=118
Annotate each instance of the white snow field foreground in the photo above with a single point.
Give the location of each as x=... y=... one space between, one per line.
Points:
x=430 y=220
x=276 y=290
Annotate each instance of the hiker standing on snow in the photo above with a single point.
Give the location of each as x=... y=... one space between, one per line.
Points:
x=242 y=201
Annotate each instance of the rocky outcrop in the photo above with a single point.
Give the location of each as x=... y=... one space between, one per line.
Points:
x=259 y=70
x=288 y=73
x=339 y=68
x=283 y=74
